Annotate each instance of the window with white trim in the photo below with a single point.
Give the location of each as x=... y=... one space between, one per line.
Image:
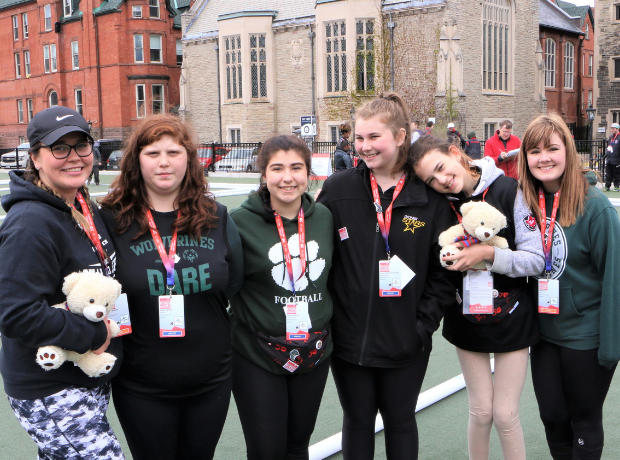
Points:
x=66 y=7
x=75 y=55
x=590 y=65
x=258 y=66
x=587 y=31
x=30 y=109
x=615 y=70
x=336 y=56
x=138 y=49
x=365 y=54
x=155 y=48
x=136 y=11
x=179 y=52
x=53 y=60
x=47 y=13
x=27 y=63
x=157 y=92
x=590 y=98
x=20 y=111
x=496 y=45
x=25 y=24
x=46 y=58
x=18 y=66
x=53 y=98
x=489 y=130
x=15 y=27
x=232 y=50
x=154 y=9
x=78 y=101
x=550 y=63
x=569 y=65
x=235 y=135
x=140 y=102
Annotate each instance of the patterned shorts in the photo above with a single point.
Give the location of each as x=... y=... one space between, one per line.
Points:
x=70 y=425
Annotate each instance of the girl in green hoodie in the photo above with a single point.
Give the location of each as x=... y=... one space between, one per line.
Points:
x=574 y=362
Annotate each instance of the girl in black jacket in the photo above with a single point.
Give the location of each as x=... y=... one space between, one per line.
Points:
x=388 y=287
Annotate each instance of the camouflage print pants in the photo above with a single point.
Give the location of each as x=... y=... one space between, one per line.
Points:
x=70 y=425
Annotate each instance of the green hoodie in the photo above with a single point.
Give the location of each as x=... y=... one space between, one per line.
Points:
x=258 y=306
x=585 y=259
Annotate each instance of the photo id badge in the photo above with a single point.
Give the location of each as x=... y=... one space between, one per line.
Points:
x=394 y=275
x=478 y=292
x=171 y=316
x=549 y=296
x=120 y=314
x=297 y=321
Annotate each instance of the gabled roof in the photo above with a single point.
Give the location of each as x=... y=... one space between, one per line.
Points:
x=206 y=19
x=552 y=16
x=4 y=4
x=574 y=10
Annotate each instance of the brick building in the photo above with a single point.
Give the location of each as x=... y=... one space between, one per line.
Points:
x=253 y=67
x=607 y=62
x=113 y=61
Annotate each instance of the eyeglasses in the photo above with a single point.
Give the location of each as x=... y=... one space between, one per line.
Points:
x=62 y=151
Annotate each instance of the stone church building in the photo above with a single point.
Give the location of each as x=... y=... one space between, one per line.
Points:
x=252 y=68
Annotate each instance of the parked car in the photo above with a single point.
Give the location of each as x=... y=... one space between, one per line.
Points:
x=239 y=159
x=208 y=159
x=106 y=147
x=8 y=159
x=114 y=160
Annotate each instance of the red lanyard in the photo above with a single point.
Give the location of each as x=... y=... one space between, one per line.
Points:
x=385 y=225
x=301 y=231
x=543 y=224
x=167 y=259
x=93 y=235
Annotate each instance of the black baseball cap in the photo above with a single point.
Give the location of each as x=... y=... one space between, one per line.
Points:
x=51 y=124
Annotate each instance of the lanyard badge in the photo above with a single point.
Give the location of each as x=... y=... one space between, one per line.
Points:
x=171 y=307
x=548 y=289
x=93 y=235
x=298 y=322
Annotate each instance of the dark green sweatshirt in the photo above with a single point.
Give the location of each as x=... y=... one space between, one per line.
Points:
x=585 y=259
x=258 y=306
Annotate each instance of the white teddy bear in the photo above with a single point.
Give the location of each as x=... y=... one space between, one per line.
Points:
x=480 y=224
x=91 y=295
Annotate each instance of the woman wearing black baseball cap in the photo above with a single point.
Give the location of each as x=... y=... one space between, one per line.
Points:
x=51 y=230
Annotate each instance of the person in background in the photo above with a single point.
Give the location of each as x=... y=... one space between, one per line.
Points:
x=342 y=157
x=179 y=260
x=96 y=165
x=472 y=146
x=429 y=127
x=575 y=360
x=384 y=219
x=284 y=303
x=416 y=132
x=52 y=230
x=612 y=160
x=452 y=131
x=499 y=146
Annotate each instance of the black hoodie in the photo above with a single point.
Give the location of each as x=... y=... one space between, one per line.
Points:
x=39 y=245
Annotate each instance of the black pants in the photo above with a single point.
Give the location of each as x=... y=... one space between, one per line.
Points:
x=186 y=428
x=277 y=412
x=394 y=393
x=612 y=174
x=570 y=387
x=95 y=171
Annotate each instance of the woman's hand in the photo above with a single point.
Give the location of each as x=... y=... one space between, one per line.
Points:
x=468 y=257
x=105 y=346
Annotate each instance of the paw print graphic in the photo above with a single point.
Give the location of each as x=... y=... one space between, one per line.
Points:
x=280 y=273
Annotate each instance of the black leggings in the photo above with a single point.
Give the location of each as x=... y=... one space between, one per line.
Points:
x=394 y=393
x=277 y=412
x=185 y=428
x=570 y=387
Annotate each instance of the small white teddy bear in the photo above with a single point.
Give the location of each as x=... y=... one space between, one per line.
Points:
x=91 y=295
x=481 y=223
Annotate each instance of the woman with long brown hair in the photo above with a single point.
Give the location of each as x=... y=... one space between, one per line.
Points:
x=579 y=348
x=179 y=260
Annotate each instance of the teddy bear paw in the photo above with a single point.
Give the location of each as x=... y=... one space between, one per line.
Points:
x=448 y=251
x=96 y=365
x=50 y=357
